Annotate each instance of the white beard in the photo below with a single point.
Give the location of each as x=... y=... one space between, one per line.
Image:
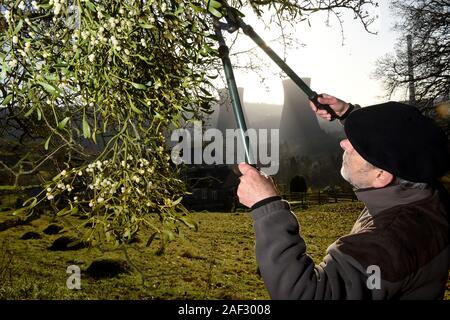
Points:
x=345 y=173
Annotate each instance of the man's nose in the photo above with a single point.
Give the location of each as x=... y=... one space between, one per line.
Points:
x=345 y=144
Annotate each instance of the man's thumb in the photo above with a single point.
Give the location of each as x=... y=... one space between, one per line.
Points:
x=245 y=167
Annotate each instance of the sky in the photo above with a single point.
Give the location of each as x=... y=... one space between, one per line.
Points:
x=343 y=70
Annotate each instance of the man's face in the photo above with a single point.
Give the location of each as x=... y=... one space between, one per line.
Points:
x=357 y=171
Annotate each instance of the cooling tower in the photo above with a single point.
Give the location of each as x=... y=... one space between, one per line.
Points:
x=224 y=109
x=299 y=126
x=305 y=148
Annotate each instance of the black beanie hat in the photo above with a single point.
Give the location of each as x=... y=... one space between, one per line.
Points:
x=397 y=138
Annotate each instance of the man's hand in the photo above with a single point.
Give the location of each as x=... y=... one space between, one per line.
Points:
x=254 y=186
x=336 y=104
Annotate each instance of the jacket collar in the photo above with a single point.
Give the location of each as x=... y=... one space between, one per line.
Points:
x=380 y=199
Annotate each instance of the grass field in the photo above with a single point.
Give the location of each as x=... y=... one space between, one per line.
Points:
x=217 y=262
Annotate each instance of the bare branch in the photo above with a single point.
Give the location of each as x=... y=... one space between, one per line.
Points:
x=427 y=22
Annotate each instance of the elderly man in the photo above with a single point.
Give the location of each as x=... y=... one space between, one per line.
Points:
x=399 y=245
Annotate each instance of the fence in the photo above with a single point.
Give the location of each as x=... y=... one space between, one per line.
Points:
x=318 y=197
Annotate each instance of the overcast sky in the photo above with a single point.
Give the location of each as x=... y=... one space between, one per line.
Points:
x=341 y=70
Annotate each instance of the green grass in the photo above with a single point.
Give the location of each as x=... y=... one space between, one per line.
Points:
x=217 y=262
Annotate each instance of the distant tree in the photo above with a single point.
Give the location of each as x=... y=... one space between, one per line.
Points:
x=428 y=23
x=298 y=184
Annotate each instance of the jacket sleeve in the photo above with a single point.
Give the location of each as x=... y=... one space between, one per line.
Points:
x=289 y=273
x=355 y=107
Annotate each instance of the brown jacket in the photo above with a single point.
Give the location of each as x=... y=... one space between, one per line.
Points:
x=403 y=233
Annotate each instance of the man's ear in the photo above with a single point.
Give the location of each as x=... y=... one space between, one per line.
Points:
x=382 y=179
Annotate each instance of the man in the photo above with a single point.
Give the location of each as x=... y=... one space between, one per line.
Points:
x=392 y=156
